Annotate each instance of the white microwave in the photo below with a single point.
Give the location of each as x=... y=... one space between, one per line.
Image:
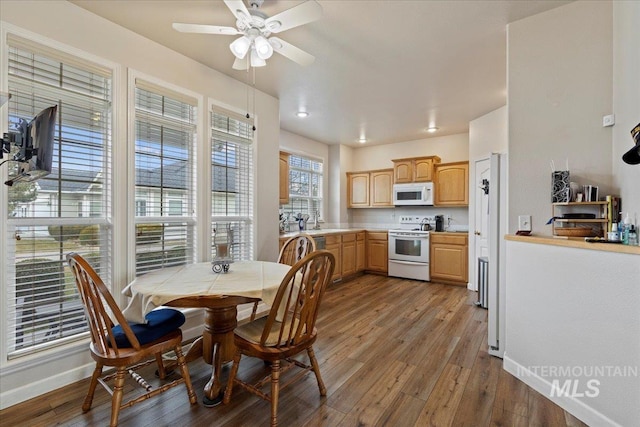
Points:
x=417 y=194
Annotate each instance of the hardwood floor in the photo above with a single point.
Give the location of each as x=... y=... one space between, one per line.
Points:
x=392 y=352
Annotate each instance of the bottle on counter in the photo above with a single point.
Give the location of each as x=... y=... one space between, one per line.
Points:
x=632 y=239
x=613 y=234
x=623 y=229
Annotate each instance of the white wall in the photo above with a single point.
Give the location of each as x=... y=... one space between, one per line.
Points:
x=450 y=148
x=559 y=87
x=576 y=308
x=626 y=100
x=567 y=306
x=72 y=26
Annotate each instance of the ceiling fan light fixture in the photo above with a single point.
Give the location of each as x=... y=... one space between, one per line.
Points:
x=362 y=140
x=302 y=114
x=256 y=61
x=240 y=46
x=263 y=47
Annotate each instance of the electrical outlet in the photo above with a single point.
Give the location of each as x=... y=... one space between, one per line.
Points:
x=524 y=223
x=609 y=120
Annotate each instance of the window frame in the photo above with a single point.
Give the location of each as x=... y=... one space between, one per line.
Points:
x=214 y=105
x=195 y=186
x=322 y=180
x=75 y=58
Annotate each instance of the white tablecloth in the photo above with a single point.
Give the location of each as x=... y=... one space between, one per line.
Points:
x=253 y=279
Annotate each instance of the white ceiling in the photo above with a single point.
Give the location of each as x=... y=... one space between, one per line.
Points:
x=383 y=69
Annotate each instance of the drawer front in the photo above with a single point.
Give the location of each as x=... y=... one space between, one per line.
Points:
x=448 y=239
x=376 y=235
x=348 y=237
x=360 y=235
x=333 y=239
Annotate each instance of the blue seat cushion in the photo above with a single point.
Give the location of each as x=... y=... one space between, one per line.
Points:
x=159 y=323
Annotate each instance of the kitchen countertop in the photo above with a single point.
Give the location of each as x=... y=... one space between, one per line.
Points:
x=325 y=231
x=575 y=243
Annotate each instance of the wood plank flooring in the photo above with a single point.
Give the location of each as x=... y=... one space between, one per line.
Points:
x=392 y=352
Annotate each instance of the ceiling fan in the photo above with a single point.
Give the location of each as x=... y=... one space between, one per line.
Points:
x=256 y=44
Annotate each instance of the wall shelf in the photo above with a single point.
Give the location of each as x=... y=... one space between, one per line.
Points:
x=567 y=225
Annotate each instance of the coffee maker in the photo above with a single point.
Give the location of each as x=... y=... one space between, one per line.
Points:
x=439 y=222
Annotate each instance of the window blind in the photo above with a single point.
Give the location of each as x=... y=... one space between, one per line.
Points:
x=305 y=186
x=165 y=131
x=69 y=209
x=232 y=183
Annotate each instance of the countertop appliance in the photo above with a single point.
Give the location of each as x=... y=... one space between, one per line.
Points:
x=439 y=222
x=416 y=194
x=409 y=248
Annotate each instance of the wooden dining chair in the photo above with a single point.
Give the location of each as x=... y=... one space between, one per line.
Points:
x=296 y=248
x=293 y=250
x=125 y=346
x=288 y=330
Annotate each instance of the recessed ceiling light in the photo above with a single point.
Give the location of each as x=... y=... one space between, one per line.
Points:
x=302 y=114
x=362 y=140
x=432 y=129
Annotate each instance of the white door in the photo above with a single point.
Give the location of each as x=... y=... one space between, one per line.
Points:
x=483 y=172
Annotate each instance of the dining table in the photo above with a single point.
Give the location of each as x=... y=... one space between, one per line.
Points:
x=197 y=285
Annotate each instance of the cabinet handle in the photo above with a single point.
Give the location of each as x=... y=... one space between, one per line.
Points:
x=477 y=233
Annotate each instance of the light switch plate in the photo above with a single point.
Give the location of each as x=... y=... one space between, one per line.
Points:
x=524 y=223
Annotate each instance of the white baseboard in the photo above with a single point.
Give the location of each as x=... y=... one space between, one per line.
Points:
x=570 y=404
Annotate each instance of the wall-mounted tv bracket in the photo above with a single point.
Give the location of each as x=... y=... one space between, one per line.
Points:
x=17 y=137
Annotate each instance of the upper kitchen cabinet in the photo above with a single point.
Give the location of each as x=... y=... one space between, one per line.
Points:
x=417 y=169
x=370 y=189
x=284 y=178
x=451 y=184
x=358 y=189
x=381 y=188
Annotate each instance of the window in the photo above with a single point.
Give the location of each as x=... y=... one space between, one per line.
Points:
x=232 y=183
x=165 y=135
x=46 y=219
x=305 y=186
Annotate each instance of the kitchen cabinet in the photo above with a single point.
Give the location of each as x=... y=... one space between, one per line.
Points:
x=377 y=251
x=448 y=258
x=334 y=245
x=381 y=192
x=358 y=189
x=416 y=169
x=284 y=178
x=370 y=189
x=451 y=184
x=361 y=253
x=349 y=255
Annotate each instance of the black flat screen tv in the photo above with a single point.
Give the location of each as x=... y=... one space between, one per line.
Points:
x=36 y=151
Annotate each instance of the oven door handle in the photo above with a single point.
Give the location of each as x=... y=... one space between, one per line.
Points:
x=407 y=262
x=413 y=236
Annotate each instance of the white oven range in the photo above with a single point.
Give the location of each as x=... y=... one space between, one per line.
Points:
x=409 y=248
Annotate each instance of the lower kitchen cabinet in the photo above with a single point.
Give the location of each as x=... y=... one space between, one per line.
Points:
x=448 y=258
x=361 y=253
x=377 y=251
x=348 y=254
x=334 y=245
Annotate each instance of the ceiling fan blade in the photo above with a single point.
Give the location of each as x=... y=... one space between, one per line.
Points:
x=204 y=29
x=290 y=51
x=238 y=9
x=298 y=15
x=240 y=64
